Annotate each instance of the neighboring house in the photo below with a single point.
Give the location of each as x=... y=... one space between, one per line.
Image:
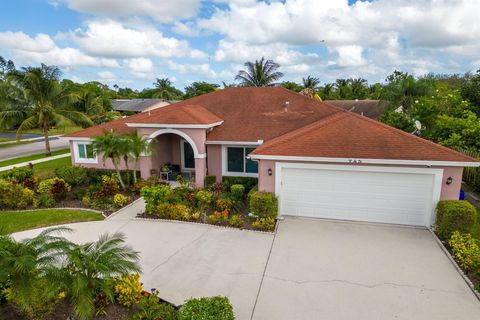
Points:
x=138 y=105
x=368 y=108
x=320 y=160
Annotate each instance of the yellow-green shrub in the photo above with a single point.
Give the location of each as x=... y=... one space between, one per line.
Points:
x=454 y=215
x=14 y=195
x=466 y=250
x=128 y=289
x=264 y=224
x=119 y=200
x=236 y=221
x=263 y=204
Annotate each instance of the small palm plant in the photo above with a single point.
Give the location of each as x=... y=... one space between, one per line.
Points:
x=111 y=146
x=92 y=267
x=136 y=148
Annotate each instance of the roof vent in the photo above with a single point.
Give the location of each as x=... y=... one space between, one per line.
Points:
x=149 y=113
x=285 y=107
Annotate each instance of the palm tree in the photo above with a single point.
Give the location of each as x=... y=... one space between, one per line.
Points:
x=343 y=89
x=111 y=146
x=31 y=266
x=260 y=73
x=328 y=91
x=359 y=88
x=136 y=148
x=88 y=102
x=310 y=83
x=47 y=103
x=92 y=266
x=165 y=89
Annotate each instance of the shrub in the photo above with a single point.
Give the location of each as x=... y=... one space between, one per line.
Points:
x=237 y=191
x=264 y=224
x=30 y=182
x=55 y=187
x=209 y=181
x=217 y=187
x=101 y=203
x=14 y=195
x=204 y=198
x=236 y=221
x=196 y=216
x=155 y=195
x=208 y=308
x=172 y=211
x=119 y=200
x=18 y=174
x=217 y=217
x=109 y=186
x=248 y=182
x=86 y=200
x=263 y=204
x=128 y=289
x=79 y=193
x=454 y=215
x=223 y=204
x=466 y=250
x=74 y=175
x=149 y=308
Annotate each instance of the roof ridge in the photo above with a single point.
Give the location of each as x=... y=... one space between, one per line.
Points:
x=419 y=139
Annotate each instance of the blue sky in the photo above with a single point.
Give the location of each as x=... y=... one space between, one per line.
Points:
x=130 y=43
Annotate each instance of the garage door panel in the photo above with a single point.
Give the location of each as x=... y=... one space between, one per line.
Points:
x=402 y=198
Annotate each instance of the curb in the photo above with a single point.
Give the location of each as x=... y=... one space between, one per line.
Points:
x=123 y=208
x=206 y=224
x=455 y=265
x=57 y=208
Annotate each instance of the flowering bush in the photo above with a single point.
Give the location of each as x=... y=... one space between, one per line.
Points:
x=218 y=217
x=128 y=289
x=119 y=200
x=466 y=250
x=224 y=204
x=173 y=211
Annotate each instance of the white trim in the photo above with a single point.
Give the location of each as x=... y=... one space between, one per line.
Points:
x=201 y=156
x=240 y=143
x=368 y=161
x=76 y=153
x=182 y=157
x=167 y=125
x=437 y=183
x=181 y=134
x=76 y=138
x=225 y=171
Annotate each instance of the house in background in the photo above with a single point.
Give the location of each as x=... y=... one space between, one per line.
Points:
x=139 y=105
x=319 y=159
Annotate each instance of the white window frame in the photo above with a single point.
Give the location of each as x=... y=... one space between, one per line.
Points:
x=182 y=157
x=225 y=171
x=77 y=153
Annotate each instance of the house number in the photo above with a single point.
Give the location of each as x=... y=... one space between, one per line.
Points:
x=352 y=161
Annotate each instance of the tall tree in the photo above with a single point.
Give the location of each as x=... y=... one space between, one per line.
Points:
x=358 y=88
x=343 y=89
x=47 y=103
x=111 y=146
x=260 y=73
x=198 y=88
x=165 y=90
x=310 y=83
x=136 y=147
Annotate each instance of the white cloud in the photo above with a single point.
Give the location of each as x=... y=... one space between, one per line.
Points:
x=22 y=41
x=163 y=11
x=350 y=56
x=109 y=38
x=140 y=65
x=204 y=70
x=106 y=75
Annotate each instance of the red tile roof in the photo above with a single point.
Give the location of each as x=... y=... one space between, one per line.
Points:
x=348 y=135
x=177 y=114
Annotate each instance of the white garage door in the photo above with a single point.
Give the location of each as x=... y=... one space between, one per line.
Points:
x=375 y=194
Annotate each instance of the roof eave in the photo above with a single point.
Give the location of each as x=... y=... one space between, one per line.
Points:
x=174 y=125
x=354 y=161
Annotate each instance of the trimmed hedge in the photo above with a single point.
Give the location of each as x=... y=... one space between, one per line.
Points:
x=454 y=215
x=248 y=182
x=263 y=204
x=208 y=308
x=209 y=181
x=237 y=191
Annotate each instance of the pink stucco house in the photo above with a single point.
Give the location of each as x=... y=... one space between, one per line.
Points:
x=320 y=160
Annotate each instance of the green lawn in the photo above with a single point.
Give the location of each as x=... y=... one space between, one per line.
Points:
x=54 y=131
x=6 y=139
x=30 y=158
x=14 y=221
x=13 y=144
x=46 y=169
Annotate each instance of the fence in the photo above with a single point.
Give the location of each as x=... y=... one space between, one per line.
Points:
x=471 y=175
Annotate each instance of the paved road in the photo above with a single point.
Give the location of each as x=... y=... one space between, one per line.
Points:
x=31 y=148
x=316 y=269
x=13 y=135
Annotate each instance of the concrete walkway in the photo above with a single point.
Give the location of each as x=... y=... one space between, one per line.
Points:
x=23 y=164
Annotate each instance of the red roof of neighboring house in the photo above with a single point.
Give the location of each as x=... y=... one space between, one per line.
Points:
x=177 y=114
x=118 y=125
x=348 y=135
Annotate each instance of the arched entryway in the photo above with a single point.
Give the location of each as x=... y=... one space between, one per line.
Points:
x=177 y=150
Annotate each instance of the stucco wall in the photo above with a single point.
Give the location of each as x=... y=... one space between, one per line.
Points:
x=214 y=157
x=108 y=164
x=448 y=192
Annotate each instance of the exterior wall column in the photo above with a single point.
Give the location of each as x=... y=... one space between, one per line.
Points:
x=200 y=171
x=146 y=165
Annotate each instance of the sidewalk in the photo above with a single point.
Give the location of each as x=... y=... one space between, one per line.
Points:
x=23 y=164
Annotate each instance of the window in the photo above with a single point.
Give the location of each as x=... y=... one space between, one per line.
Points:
x=188 y=156
x=85 y=153
x=237 y=160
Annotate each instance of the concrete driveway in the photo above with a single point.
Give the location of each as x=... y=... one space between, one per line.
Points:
x=340 y=270
x=311 y=269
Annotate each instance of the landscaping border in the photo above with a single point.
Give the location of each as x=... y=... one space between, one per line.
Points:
x=57 y=208
x=455 y=264
x=207 y=224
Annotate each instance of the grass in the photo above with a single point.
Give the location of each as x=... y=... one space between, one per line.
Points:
x=54 y=131
x=14 y=221
x=13 y=144
x=6 y=139
x=46 y=169
x=31 y=158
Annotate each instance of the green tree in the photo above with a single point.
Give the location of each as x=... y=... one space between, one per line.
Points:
x=136 y=148
x=462 y=132
x=343 y=89
x=290 y=85
x=399 y=120
x=92 y=266
x=47 y=103
x=198 y=88
x=358 y=88
x=310 y=83
x=260 y=73
x=111 y=146
x=165 y=90
x=327 y=92
x=470 y=91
